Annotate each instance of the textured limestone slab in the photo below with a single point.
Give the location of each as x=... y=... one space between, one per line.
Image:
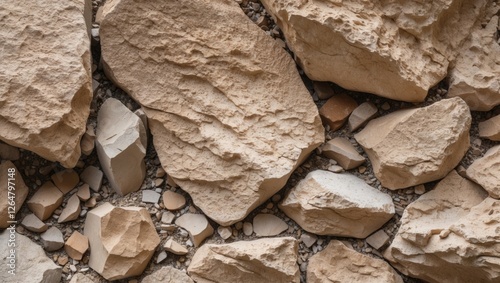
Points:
x=486 y=171
x=17 y=194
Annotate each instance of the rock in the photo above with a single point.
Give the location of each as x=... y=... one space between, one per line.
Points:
x=46 y=91
x=308 y=239
x=113 y=234
x=268 y=225
x=336 y=110
x=91 y=202
x=167 y=274
x=396 y=49
x=475 y=77
x=233 y=142
x=93 y=177
x=13 y=192
x=197 y=225
x=52 y=239
x=338 y=263
x=167 y=217
x=342 y=151
x=247 y=228
x=174 y=247
x=80 y=278
x=263 y=260
x=150 y=196
x=8 y=152
x=420 y=189
x=326 y=203
x=486 y=171
x=31 y=263
x=88 y=141
x=121 y=146
x=224 y=232
x=142 y=115
x=490 y=129
x=76 y=245
x=45 y=200
x=173 y=200
x=83 y=192
x=161 y=257
x=362 y=115
x=378 y=239
x=415 y=146
x=323 y=90
x=71 y=211
x=65 y=180
x=33 y=224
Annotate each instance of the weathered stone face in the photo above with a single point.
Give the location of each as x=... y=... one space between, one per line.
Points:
x=486 y=171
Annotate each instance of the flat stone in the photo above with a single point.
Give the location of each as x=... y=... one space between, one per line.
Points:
x=167 y=217
x=174 y=247
x=365 y=112
x=342 y=151
x=323 y=90
x=486 y=171
x=336 y=110
x=34 y=224
x=93 y=177
x=224 y=232
x=83 y=192
x=161 y=257
x=490 y=128
x=12 y=188
x=378 y=239
x=197 y=225
x=65 y=180
x=45 y=200
x=308 y=239
x=268 y=225
x=167 y=274
x=8 y=152
x=52 y=239
x=173 y=200
x=71 y=211
x=149 y=196
x=247 y=228
x=76 y=245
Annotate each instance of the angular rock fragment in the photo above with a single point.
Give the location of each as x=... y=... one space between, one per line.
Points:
x=378 y=239
x=174 y=247
x=65 y=180
x=88 y=141
x=13 y=192
x=33 y=224
x=342 y=151
x=83 y=192
x=173 y=200
x=76 y=245
x=268 y=225
x=197 y=225
x=8 y=152
x=93 y=177
x=336 y=110
x=362 y=115
x=150 y=196
x=71 y=211
x=52 y=239
x=46 y=199
x=486 y=171
x=167 y=274
x=323 y=90
x=490 y=128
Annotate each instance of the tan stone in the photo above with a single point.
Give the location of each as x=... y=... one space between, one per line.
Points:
x=378 y=239
x=76 y=245
x=265 y=225
x=80 y=278
x=91 y=202
x=174 y=247
x=52 y=239
x=340 y=264
x=336 y=110
x=33 y=224
x=486 y=171
x=71 y=211
x=257 y=261
x=122 y=240
x=83 y=192
x=197 y=225
x=362 y=115
x=173 y=200
x=237 y=119
x=93 y=177
x=490 y=128
x=167 y=274
x=88 y=141
x=323 y=90
x=45 y=92
x=326 y=203
x=13 y=192
x=397 y=49
x=225 y=232
x=65 y=180
x=342 y=151
x=415 y=146
x=121 y=146
x=45 y=200
x=8 y=152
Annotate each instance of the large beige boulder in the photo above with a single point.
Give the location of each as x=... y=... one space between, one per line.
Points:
x=326 y=203
x=486 y=171
x=397 y=49
x=13 y=191
x=415 y=146
x=257 y=261
x=46 y=78
x=230 y=116
x=122 y=240
x=340 y=264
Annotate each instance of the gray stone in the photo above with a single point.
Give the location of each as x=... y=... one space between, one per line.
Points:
x=52 y=239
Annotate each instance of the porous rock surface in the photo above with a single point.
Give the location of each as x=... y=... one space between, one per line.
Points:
x=486 y=171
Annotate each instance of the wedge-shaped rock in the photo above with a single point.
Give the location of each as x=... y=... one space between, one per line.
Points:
x=197 y=225
x=65 y=180
x=326 y=203
x=396 y=49
x=486 y=171
x=46 y=199
x=415 y=146
x=122 y=240
x=230 y=116
x=167 y=274
x=342 y=151
x=33 y=224
x=121 y=146
x=257 y=261
x=265 y=225
x=13 y=191
x=46 y=90
x=76 y=245
x=52 y=239
x=490 y=128
x=71 y=211
x=362 y=115
x=340 y=264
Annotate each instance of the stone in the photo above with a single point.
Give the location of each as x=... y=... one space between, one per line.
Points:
x=197 y=225
x=113 y=233
x=46 y=85
x=45 y=200
x=365 y=112
x=52 y=239
x=83 y=192
x=490 y=128
x=174 y=247
x=233 y=142
x=224 y=232
x=80 y=278
x=76 y=245
x=161 y=257
x=142 y=115
x=93 y=177
x=326 y=203
x=31 y=263
x=485 y=171
x=268 y=225
x=173 y=200
x=150 y=196
x=247 y=228
x=167 y=217
x=13 y=192
x=308 y=239
x=167 y=274
x=71 y=211
x=121 y=143
x=475 y=76
x=415 y=146
x=8 y=152
x=342 y=151
x=65 y=180
x=336 y=110
x=420 y=189
x=397 y=49
x=34 y=224
x=378 y=239
x=262 y=260
x=338 y=263
x=91 y=202
x=88 y=141
x=323 y=90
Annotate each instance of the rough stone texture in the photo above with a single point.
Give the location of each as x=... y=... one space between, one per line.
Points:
x=336 y=110
x=362 y=115
x=338 y=263
x=486 y=171
x=257 y=261
x=167 y=274
x=490 y=128
x=33 y=224
x=396 y=49
x=326 y=203
x=121 y=146
x=197 y=225
x=52 y=239
x=65 y=180
x=71 y=211
x=32 y=265
x=80 y=278
x=265 y=225
x=18 y=194
x=46 y=199
x=113 y=234
x=46 y=78
x=415 y=146
x=230 y=116
x=342 y=151
x=76 y=245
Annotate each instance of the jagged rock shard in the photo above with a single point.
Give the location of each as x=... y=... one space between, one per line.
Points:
x=416 y=146
x=486 y=171
x=167 y=274
x=257 y=261
x=18 y=192
x=230 y=116
x=46 y=199
x=342 y=151
x=122 y=240
x=396 y=49
x=490 y=128
x=45 y=92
